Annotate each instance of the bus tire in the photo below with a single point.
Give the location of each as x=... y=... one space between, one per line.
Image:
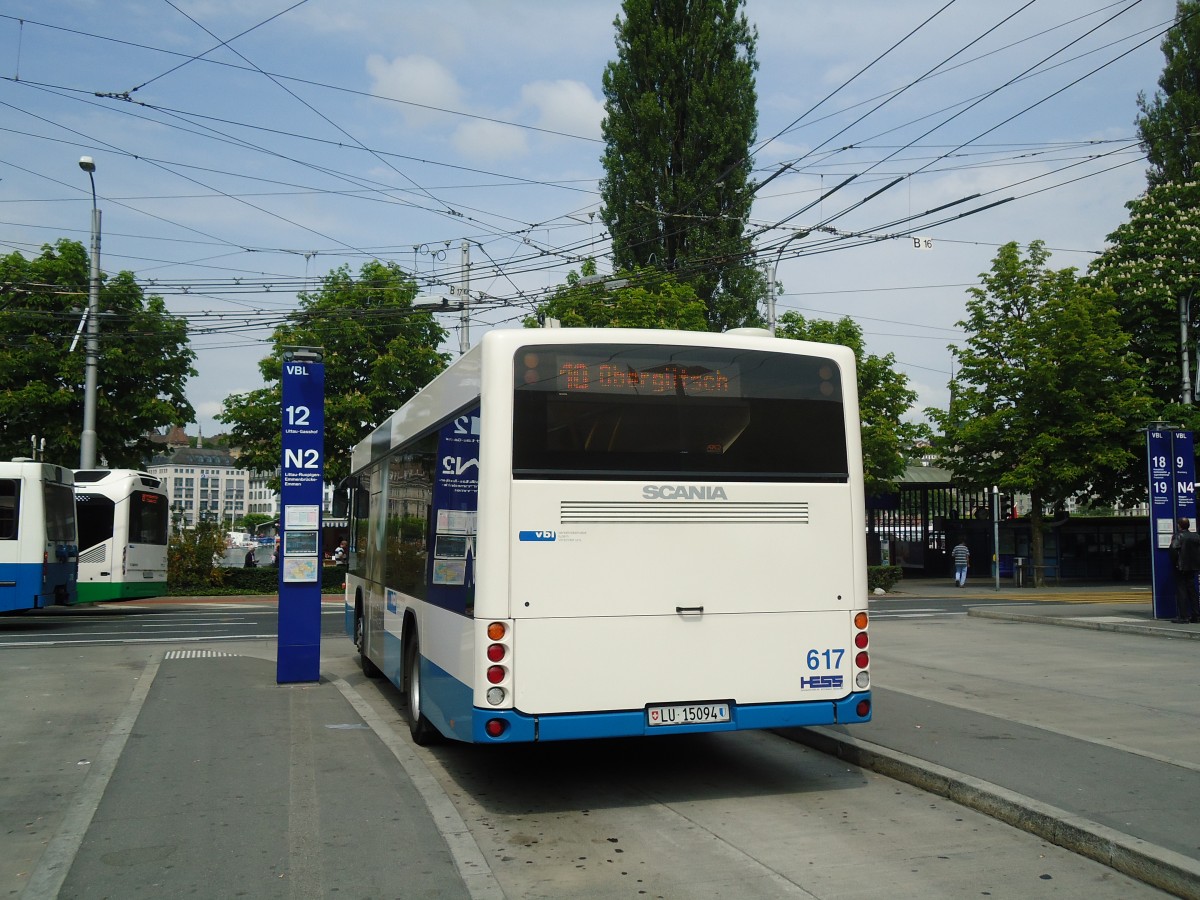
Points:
x=360 y=640
x=421 y=729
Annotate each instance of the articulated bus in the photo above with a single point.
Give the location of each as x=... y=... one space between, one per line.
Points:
x=38 y=545
x=584 y=533
x=124 y=524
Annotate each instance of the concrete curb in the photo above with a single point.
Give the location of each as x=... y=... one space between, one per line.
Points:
x=1161 y=631
x=1156 y=866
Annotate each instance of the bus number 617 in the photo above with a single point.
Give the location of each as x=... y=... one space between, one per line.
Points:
x=832 y=658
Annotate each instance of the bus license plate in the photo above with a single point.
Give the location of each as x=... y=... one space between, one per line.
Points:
x=687 y=714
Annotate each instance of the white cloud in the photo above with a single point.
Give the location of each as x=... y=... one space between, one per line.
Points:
x=416 y=79
x=566 y=106
x=489 y=141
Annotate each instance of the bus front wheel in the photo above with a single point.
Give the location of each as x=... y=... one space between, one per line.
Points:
x=419 y=727
x=360 y=640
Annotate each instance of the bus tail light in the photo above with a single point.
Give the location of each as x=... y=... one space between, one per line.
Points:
x=862 y=659
x=497 y=649
x=863 y=708
x=495 y=727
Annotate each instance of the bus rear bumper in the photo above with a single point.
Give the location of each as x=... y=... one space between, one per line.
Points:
x=520 y=727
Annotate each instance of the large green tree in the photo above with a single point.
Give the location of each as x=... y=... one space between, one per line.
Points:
x=681 y=116
x=1048 y=398
x=379 y=352
x=1150 y=266
x=884 y=398
x=646 y=298
x=144 y=363
x=1169 y=124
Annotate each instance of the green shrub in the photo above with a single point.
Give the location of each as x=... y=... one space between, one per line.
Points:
x=883 y=577
x=263 y=580
x=191 y=556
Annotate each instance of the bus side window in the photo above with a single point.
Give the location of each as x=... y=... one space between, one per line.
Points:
x=344 y=495
x=9 y=504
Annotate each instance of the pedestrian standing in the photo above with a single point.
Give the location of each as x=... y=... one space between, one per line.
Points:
x=1185 y=553
x=962 y=560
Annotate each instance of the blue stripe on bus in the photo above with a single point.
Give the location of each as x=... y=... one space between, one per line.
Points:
x=448 y=706
x=28 y=590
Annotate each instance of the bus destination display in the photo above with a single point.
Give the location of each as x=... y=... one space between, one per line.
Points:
x=630 y=376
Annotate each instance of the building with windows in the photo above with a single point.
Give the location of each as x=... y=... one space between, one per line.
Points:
x=203 y=484
x=262 y=499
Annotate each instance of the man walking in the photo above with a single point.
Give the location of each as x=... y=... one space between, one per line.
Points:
x=1185 y=553
x=962 y=560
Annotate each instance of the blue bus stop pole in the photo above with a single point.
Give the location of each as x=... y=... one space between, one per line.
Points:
x=300 y=552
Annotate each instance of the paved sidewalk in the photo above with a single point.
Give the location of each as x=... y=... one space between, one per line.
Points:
x=1076 y=793
x=217 y=782
x=214 y=781
x=1125 y=608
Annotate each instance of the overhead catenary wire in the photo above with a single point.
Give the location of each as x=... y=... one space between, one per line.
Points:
x=516 y=263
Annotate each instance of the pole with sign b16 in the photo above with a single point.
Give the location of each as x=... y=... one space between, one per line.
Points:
x=302 y=472
x=1171 y=461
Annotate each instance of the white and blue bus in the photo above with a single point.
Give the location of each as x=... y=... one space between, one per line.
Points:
x=38 y=545
x=581 y=533
x=124 y=525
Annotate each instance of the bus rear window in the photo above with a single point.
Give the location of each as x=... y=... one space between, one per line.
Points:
x=148 y=518
x=616 y=411
x=60 y=512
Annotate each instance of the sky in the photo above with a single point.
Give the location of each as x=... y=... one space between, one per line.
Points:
x=245 y=149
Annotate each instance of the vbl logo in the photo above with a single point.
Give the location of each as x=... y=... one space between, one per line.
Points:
x=822 y=681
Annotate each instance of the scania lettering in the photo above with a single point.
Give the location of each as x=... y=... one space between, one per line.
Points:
x=583 y=533
x=682 y=492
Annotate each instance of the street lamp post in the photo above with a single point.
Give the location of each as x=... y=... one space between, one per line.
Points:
x=87 y=441
x=771 y=281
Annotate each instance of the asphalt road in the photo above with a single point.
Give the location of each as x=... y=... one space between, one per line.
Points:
x=226 y=783
x=161 y=621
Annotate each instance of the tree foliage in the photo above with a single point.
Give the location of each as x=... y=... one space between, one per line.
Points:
x=1169 y=124
x=645 y=298
x=1150 y=266
x=884 y=398
x=144 y=363
x=681 y=116
x=379 y=352
x=1048 y=399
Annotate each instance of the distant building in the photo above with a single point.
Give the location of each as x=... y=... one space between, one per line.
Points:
x=261 y=499
x=203 y=484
